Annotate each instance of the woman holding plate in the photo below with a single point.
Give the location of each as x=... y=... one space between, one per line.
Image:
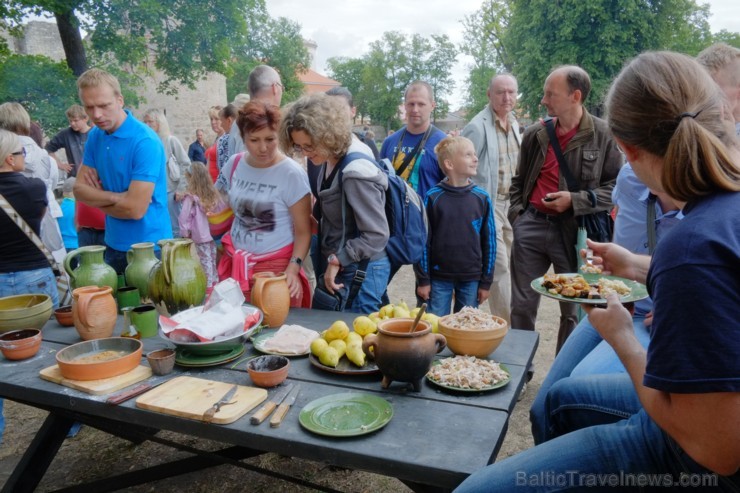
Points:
x=271 y=200
x=675 y=127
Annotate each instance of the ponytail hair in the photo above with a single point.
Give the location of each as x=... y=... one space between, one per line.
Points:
x=667 y=104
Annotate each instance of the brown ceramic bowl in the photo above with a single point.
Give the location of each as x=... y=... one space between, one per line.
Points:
x=99 y=358
x=20 y=344
x=474 y=342
x=268 y=370
x=162 y=361
x=63 y=315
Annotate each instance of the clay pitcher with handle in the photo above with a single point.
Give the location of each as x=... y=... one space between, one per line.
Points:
x=92 y=270
x=94 y=311
x=177 y=282
x=271 y=295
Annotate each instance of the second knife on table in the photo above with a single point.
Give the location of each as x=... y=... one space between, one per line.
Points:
x=270 y=406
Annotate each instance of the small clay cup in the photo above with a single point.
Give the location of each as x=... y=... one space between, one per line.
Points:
x=20 y=344
x=268 y=370
x=63 y=315
x=162 y=361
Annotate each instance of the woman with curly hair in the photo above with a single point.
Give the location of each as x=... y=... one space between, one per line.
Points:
x=353 y=228
x=271 y=200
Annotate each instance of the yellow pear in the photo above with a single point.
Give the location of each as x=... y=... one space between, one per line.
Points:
x=339 y=345
x=318 y=346
x=353 y=339
x=386 y=311
x=356 y=356
x=375 y=316
x=338 y=330
x=401 y=312
x=414 y=312
x=329 y=357
x=403 y=305
x=364 y=325
x=433 y=320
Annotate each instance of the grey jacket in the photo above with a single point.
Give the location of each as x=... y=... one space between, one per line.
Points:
x=591 y=155
x=482 y=131
x=366 y=226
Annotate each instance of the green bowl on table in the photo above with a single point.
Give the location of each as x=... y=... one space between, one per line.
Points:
x=24 y=311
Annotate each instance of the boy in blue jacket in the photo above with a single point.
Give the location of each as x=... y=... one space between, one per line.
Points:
x=461 y=247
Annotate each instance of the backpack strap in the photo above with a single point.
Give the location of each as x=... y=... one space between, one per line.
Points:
x=555 y=143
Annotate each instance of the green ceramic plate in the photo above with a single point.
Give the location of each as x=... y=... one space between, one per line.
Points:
x=639 y=291
x=185 y=357
x=260 y=339
x=346 y=367
x=497 y=385
x=346 y=415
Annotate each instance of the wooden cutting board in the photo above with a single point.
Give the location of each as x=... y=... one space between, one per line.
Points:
x=190 y=397
x=97 y=387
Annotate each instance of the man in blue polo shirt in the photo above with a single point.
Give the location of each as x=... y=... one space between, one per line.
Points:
x=122 y=171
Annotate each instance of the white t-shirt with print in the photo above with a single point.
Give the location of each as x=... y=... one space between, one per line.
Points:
x=261 y=199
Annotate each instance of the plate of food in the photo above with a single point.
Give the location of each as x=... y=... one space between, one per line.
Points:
x=346 y=367
x=468 y=374
x=588 y=288
x=289 y=341
x=346 y=415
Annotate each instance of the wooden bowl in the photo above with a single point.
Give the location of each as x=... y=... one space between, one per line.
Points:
x=20 y=344
x=474 y=342
x=24 y=311
x=63 y=315
x=99 y=358
x=268 y=370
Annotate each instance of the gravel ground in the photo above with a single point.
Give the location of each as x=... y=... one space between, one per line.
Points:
x=94 y=455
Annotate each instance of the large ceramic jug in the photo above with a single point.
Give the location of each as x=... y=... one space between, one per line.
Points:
x=177 y=282
x=402 y=355
x=94 y=311
x=140 y=260
x=92 y=270
x=271 y=295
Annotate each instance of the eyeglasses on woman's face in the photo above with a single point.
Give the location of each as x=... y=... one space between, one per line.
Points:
x=22 y=152
x=305 y=148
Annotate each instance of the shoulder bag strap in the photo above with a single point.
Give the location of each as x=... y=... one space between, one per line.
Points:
x=651 y=233
x=23 y=225
x=408 y=159
x=569 y=179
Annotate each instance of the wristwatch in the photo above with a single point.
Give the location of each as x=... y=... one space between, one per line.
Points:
x=296 y=260
x=333 y=260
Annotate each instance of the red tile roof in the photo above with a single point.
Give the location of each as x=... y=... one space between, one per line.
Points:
x=315 y=82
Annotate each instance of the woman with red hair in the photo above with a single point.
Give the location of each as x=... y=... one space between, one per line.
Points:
x=270 y=197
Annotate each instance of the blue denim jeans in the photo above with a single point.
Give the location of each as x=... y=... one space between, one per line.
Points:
x=588 y=390
x=375 y=283
x=624 y=451
x=90 y=236
x=30 y=282
x=440 y=298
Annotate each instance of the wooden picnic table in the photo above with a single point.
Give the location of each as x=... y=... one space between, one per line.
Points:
x=435 y=439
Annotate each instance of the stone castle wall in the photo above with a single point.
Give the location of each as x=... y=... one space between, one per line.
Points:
x=186 y=111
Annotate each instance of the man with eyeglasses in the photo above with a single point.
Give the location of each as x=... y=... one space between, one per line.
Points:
x=263 y=84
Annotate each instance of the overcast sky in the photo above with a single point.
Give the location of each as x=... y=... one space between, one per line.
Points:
x=346 y=27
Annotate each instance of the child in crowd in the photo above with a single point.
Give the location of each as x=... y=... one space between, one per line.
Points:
x=201 y=197
x=461 y=247
x=67 y=220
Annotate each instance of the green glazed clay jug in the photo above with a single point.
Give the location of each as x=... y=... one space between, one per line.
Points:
x=177 y=282
x=140 y=260
x=92 y=270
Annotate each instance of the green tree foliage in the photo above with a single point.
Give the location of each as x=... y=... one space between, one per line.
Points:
x=274 y=42
x=483 y=41
x=183 y=38
x=598 y=35
x=725 y=36
x=54 y=88
x=378 y=78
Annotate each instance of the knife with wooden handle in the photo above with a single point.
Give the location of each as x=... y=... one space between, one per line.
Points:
x=269 y=406
x=283 y=408
x=216 y=407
